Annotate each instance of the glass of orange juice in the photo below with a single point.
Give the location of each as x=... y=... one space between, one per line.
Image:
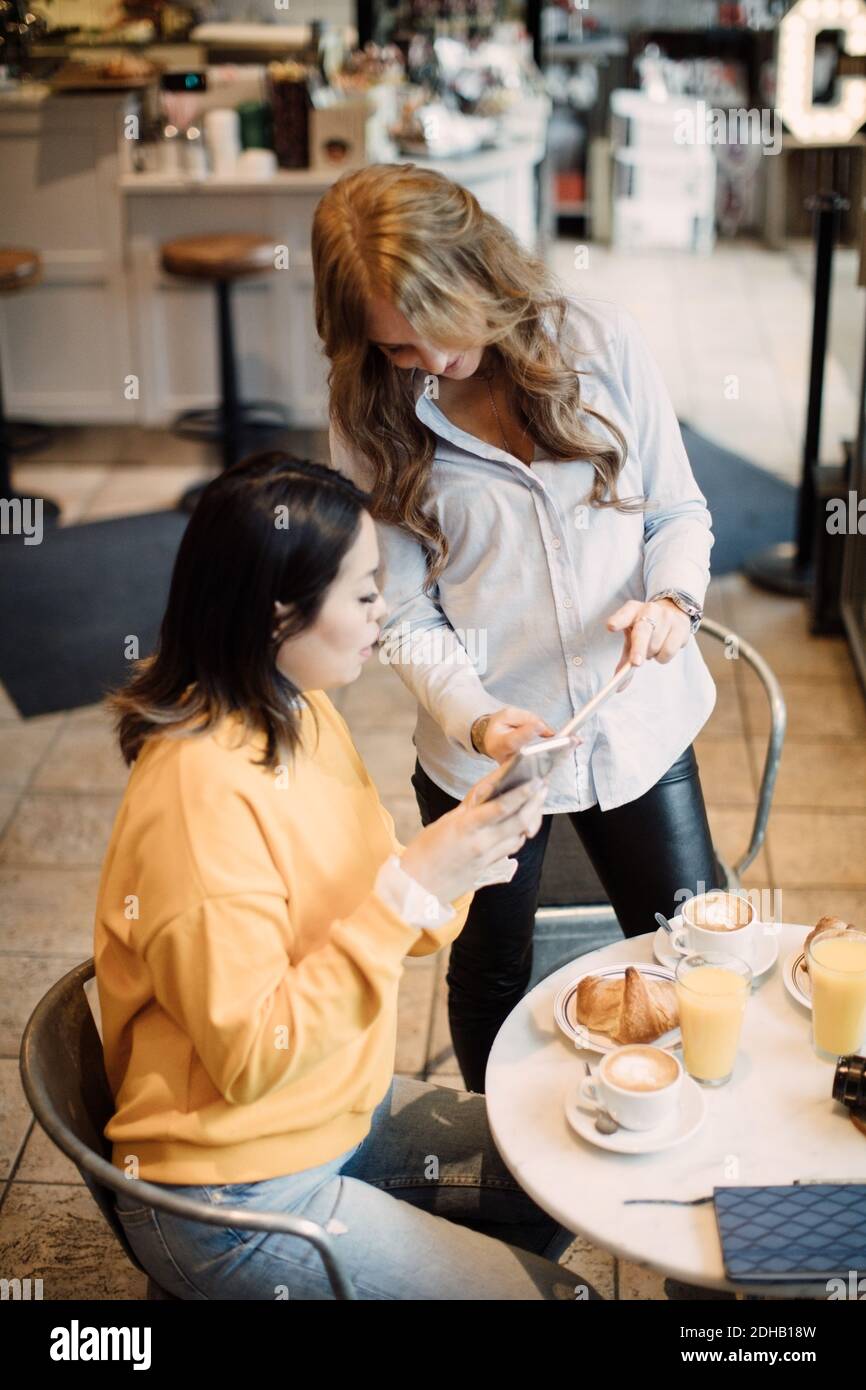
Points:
x=712 y=990
x=837 y=971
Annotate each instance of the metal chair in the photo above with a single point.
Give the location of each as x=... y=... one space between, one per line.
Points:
x=565 y=930
x=63 y=1075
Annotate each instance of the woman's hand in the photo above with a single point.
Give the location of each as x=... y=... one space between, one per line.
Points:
x=652 y=631
x=507 y=729
x=452 y=852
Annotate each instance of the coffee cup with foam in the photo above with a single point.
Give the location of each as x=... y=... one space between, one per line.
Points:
x=638 y=1085
x=718 y=921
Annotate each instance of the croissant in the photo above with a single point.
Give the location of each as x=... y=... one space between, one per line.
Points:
x=634 y=1009
x=824 y=924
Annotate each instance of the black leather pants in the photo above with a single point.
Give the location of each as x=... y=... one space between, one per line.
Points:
x=643 y=853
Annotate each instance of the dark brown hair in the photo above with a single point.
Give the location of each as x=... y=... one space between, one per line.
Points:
x=272 y=528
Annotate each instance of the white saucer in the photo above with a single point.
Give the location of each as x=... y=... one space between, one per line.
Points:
x=766 y=949
x=796 y=980
x=687 y=1119
x=564 y=1007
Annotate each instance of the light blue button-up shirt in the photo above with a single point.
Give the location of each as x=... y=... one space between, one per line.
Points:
x=518 y=615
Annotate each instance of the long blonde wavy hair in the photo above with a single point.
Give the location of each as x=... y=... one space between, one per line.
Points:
x=459 y=276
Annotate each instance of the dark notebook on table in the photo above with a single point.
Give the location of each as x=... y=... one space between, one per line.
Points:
x=800 y=1233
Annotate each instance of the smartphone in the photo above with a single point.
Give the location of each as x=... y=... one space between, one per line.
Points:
x=539 y=758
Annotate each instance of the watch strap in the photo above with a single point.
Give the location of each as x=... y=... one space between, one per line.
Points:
x=684 y=602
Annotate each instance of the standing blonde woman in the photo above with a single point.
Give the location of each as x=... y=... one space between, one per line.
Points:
x=538 y=522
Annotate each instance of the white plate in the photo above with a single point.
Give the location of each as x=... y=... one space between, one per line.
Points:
x=766 y=955
x=796 y=979
x=686 y=1120
x=566 y=999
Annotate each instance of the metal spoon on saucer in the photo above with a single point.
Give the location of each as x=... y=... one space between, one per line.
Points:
x=604 y=1123
x=663 y=922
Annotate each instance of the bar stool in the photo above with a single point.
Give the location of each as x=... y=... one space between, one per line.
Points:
x=20 y=268
x=222 y=259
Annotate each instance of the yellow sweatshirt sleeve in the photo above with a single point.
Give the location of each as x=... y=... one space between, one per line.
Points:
x=221 y=972
x=430 y=941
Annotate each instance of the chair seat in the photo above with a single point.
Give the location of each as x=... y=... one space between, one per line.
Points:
x=19 y=267
x=218 y=257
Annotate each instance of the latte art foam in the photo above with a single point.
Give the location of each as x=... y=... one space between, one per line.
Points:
x=717 y=916
x=719 y=912
x=641 y=1069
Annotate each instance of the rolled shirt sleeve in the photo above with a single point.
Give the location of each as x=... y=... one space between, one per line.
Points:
x=420 y=908
x=405 y=896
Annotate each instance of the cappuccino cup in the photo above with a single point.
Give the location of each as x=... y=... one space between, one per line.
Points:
x=718 y=921
x=639 y=1085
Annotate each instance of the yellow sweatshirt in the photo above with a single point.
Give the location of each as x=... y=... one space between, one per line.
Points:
x=247 y=970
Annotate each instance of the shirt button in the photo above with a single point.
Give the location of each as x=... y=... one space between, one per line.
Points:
x=557 y=544
x=566 y=602
x=577 y=661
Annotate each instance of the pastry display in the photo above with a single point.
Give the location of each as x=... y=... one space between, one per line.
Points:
x=126 y=65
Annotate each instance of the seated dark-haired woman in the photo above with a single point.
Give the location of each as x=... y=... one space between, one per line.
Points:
x=254 y=913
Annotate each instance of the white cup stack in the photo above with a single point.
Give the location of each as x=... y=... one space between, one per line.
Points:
x=222 y=130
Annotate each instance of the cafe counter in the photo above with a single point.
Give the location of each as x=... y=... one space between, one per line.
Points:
x=108 y=336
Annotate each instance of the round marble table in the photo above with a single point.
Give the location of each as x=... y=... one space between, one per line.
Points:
x=775 y=1122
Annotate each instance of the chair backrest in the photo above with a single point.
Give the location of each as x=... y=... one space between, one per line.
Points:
x=63 y=1075
x=569 y=883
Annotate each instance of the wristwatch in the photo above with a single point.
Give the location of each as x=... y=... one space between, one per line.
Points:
x=684 y=602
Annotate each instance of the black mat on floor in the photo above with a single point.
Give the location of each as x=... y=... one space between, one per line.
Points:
x=67 y=607
x=750 y=508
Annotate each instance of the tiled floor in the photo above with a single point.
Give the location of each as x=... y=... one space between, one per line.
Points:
x=743 y=311
x=731 y=334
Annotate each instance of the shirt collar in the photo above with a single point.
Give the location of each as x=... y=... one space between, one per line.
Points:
x=428 y=412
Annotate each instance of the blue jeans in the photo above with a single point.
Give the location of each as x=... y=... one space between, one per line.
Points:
x=423 y=1208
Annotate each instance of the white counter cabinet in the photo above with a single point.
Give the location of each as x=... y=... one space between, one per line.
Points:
x=65 y=344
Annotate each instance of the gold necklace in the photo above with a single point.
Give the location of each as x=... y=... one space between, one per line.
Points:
x=499 y=420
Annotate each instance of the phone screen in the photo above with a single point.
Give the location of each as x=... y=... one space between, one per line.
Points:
x=533 y=760
x=540 y=757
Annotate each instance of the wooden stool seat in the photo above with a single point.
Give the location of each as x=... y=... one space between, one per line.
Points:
x=221 y=260
x=18 y=267
x=221 y=257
